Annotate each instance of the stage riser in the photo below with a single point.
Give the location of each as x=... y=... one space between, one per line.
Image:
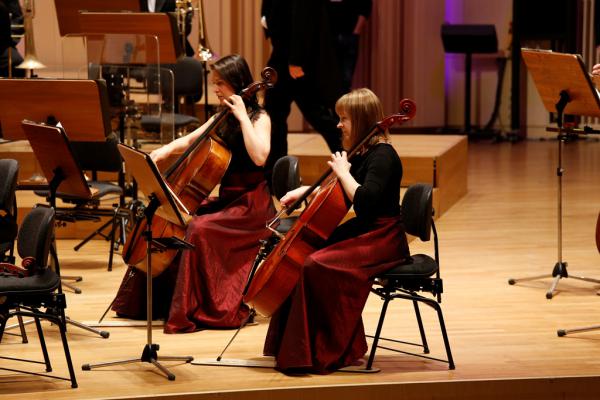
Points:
x=440 y=160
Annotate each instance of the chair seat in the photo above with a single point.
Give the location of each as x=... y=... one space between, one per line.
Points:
x=151 y=123
x=30 y=285
x=421 y=266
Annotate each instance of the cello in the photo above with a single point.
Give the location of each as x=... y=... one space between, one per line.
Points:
x=192 y=177
x=276 y=277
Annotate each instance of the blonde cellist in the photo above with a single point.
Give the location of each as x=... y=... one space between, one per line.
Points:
x=319 y=327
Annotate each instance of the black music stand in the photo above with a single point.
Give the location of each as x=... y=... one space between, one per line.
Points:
x=469 y=39
x=80 y=105
x=164 y=202
x=565 y=87
x=51 y=147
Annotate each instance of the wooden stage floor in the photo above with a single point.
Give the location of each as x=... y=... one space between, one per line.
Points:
x=503 y=337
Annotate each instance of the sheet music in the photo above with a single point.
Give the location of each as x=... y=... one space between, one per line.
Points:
x=178 y=201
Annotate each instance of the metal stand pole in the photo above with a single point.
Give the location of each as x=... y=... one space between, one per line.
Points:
x=560 y=268
x=150 y=351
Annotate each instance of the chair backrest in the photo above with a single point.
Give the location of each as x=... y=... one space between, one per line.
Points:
x=35 y=235
x=98 y=156
x=9 y=170
x=188 y=73
x=417 y=210
x=286 y=176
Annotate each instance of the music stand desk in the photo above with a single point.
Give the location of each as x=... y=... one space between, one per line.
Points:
x=163 y=26
x=67 y=11
x=81 y=106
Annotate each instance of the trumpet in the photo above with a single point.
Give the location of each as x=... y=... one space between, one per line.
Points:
x=16 y=28
x=184 y=10
x=30 y=61
x=204 y=51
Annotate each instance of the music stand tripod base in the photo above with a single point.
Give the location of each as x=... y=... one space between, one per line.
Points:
x=149 y=355
x=565 y=332
x=559 y=272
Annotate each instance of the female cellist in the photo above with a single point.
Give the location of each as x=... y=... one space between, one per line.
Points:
x=207 y=282
x=319 y=328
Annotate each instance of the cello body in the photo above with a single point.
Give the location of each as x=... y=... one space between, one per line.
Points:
x=200 y=174
x=277 y=276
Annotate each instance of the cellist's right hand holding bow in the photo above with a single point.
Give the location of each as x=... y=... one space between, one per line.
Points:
x=161 y=154
x=293 y=195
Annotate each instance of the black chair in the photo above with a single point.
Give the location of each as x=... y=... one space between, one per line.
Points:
x=38 y=287
x=420 y=274
x=9 y=170
x=285 y=177
x=187 y=82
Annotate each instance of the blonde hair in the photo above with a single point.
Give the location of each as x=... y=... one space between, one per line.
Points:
x=364 y=109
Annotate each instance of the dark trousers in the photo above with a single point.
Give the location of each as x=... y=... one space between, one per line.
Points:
x=278 y=101
x=16 y=60
x=346 y=49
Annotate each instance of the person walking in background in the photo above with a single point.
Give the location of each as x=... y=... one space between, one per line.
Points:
x=348 y=19
x=10 y=14
x=303 y=54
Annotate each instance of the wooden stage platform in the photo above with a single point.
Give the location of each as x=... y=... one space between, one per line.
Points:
x=440 y=160
x=503 y=337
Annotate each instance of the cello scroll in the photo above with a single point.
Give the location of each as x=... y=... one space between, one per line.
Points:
x=269 y=78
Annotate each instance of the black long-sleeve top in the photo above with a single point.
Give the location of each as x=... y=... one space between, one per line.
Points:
x=344 y=13
x=379 y=173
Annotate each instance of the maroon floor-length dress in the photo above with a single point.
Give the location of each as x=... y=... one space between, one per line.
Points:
x=211 y=278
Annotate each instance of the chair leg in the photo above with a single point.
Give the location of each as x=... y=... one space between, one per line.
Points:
x=377 y=333
x=38 y=325
x=113 y=231
x=22 y=327
x=123 y=231
x=91 y=235
x=63 y=329
x=445 y=336
x=3 y=319
x=421 y=328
